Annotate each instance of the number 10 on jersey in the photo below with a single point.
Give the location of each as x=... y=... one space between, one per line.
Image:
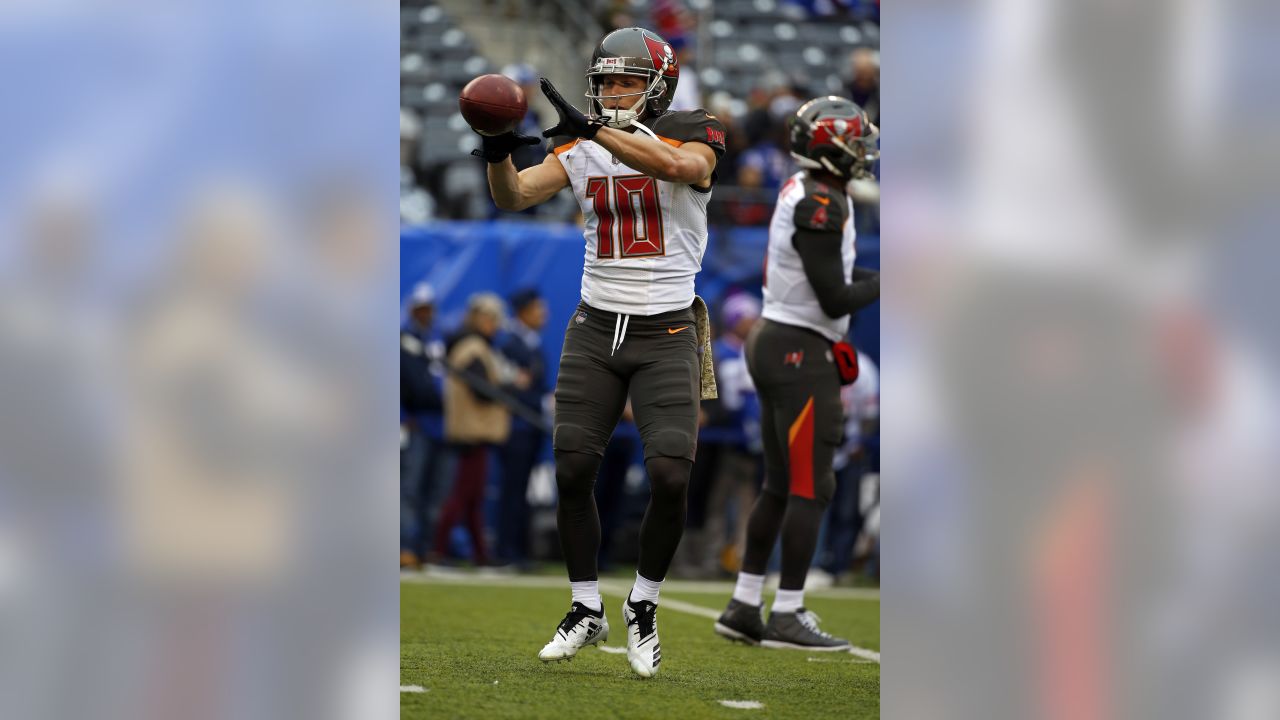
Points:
x=638 y=215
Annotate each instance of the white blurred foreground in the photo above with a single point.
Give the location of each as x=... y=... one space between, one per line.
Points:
x=1080 y=361
x=198 y=508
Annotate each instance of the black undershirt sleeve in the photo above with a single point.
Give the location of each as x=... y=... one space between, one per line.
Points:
x=824 y=267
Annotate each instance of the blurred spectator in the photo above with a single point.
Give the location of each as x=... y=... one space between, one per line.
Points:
x=416 y=205
x=474 y=419
x=766 y=165
x=853 y=517
x=424 y=459
x=741 y=462
x=616 y=14
x=864 y=80
x=523 y=347
x=727 y=467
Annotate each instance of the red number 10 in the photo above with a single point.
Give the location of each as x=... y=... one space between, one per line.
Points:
x=640 y=226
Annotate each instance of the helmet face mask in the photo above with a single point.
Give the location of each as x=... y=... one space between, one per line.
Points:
x=638 y=52
x=621 y=116
x=833 y=134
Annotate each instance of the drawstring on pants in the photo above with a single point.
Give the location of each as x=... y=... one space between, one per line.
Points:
x=619 y=331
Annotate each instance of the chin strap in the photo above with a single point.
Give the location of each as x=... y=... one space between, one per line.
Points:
x=637 y=125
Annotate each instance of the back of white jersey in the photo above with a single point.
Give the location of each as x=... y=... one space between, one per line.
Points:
x=788 y=296
x=645 y=237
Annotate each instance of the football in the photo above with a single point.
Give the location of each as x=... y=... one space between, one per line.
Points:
x=492 y=104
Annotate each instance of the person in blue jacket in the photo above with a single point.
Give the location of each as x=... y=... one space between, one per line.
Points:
x=522 y=346
x=425 y=461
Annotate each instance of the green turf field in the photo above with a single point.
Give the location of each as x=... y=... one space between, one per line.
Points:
x=472 y=645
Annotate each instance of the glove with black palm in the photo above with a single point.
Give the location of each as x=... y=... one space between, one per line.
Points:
x=572 y=122
x=496 y=148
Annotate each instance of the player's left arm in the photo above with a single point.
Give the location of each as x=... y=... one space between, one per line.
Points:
x=819 y=220
x=691 y=164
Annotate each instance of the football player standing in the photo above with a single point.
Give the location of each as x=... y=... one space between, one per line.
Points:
x=642 y=175
x=798 y=359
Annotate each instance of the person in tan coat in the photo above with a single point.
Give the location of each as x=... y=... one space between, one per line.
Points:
x=474 y=419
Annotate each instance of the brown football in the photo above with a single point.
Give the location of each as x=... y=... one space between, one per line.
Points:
x=492 y=104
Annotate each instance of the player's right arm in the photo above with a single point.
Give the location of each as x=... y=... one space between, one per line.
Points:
x=514 y=191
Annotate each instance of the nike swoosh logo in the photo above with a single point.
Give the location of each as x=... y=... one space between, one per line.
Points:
x=823 y=200
x=673 y=331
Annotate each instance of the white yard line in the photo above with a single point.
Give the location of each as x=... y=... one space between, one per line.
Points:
x=456 y=576
x=742 y=704
x=619 y=588
x=412 y=689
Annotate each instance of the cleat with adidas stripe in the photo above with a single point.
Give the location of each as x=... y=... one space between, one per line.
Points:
x=580 y=628
x=643 y=651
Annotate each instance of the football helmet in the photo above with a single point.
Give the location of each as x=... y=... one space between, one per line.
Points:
x=633 y=51
x=833 y=134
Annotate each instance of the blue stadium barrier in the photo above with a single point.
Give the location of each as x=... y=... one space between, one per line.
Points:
x=460 y=258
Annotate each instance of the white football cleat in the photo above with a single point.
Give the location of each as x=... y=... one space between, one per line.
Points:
x=581 y=627
x=643 y=650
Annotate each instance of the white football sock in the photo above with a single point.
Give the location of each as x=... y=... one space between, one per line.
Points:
x=587 y=592
x=788 y=601
x=749 y=588
x=645 y=589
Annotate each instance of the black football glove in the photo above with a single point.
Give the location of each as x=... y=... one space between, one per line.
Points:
x=572 y=122
x=496 y=148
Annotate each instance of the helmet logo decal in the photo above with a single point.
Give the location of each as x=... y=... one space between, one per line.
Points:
x=827 y=130
x=664 y=59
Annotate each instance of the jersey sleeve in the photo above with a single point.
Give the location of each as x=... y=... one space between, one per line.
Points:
x=694 y=126
x=820 y=211
x=559 y=143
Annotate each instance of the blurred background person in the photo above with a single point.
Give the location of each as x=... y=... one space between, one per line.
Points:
x=522 y=346
x=728 y=465
x=474 y=419
x=864 y=80
x=857 y=497
x=416 y=205
x=425 y=460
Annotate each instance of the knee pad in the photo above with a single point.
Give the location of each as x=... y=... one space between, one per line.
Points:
x=571 y=438
x=668 y=476
x=575 y=473
x=671 y=443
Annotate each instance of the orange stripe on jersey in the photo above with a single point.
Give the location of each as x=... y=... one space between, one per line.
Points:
x=800 y=452
x=669 y=141
x=567 y=146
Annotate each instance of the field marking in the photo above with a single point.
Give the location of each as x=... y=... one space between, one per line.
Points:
x=612 y=649
x=412 y=689
x=840 y=660
x=459 y=576
x=619 y=588
x=742 y=704
x=865 y=654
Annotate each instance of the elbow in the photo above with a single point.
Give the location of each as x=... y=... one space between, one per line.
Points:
x=831 y=307
x=676 y=171
x=670 y=172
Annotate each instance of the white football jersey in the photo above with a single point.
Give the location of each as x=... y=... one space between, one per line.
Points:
x=788 y=296
x=644 y=237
